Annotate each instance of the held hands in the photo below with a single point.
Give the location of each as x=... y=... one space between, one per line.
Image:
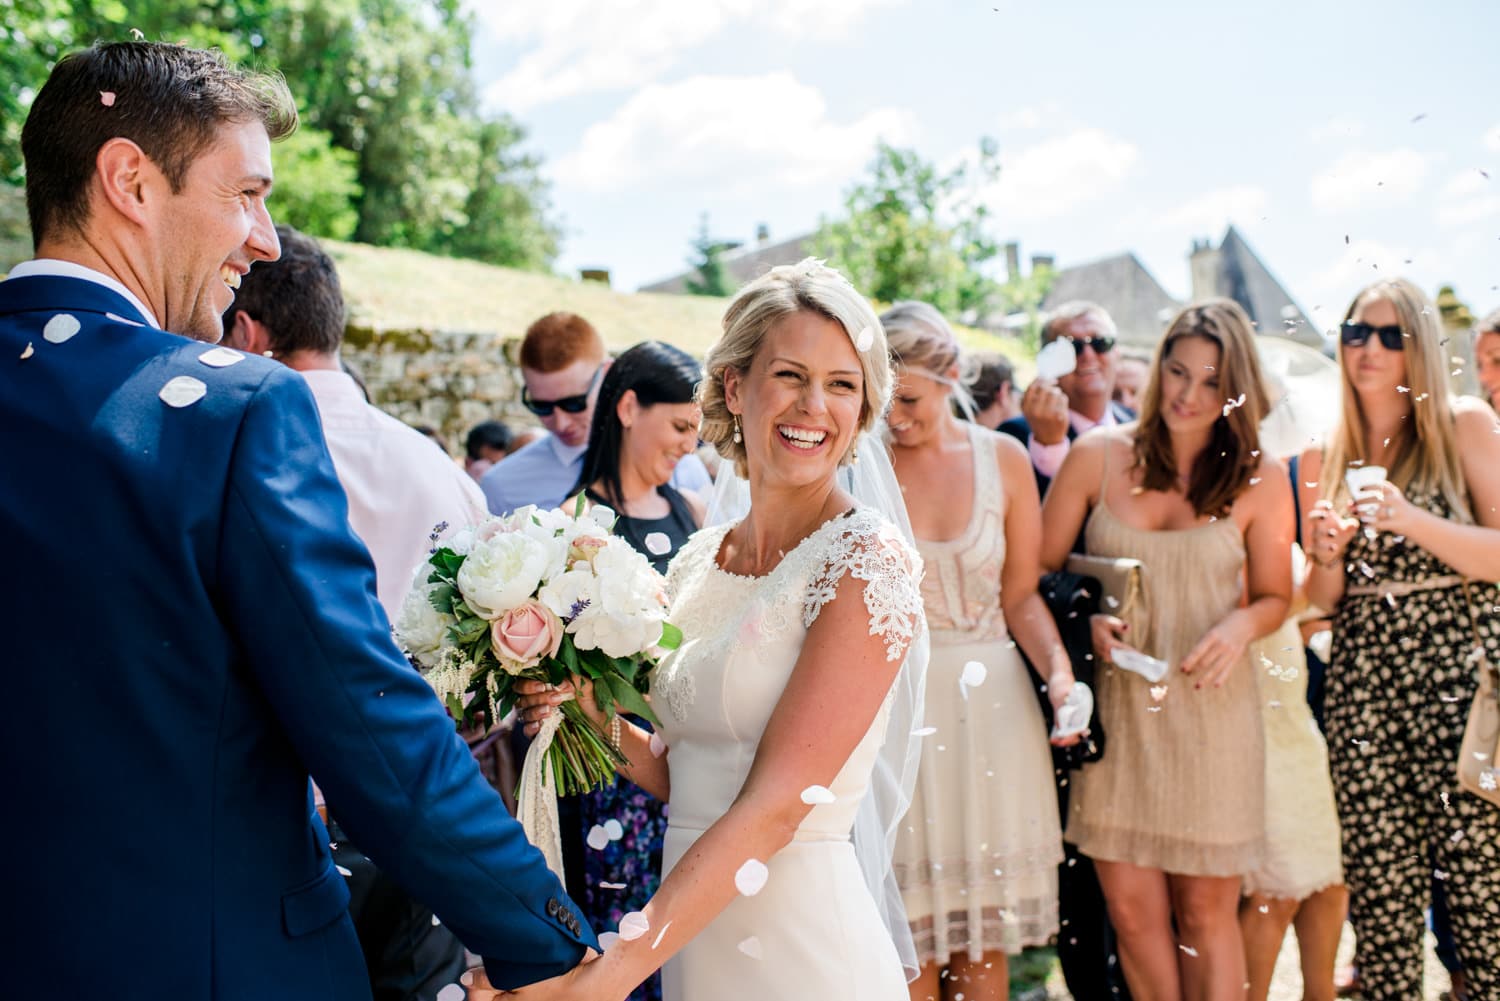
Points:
x=1328 y=534
x=538 y=699
x=1045 y=408
x=569 y=986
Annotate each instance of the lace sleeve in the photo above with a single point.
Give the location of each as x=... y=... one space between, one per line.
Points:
x=870 y=549
x=689 y=559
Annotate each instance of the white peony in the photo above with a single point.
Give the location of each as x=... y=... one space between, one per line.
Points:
x=501 y=572
x=619 y=635
x=421 y=629
x=568 y=591
x=627 y=617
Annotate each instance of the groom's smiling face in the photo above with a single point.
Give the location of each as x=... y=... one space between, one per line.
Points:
x=800 y=400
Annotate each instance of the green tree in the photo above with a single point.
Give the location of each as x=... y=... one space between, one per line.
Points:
x=387 y=81
x=317 y=185
x=910 y=231
x=709 y=277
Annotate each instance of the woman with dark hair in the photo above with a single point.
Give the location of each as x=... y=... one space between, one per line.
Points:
x=1405 y=551
x=645 y=421
x=1173 y=814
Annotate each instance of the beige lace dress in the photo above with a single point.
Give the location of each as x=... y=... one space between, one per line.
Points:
x=977 y=854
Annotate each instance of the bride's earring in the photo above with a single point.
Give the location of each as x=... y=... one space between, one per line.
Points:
x=854 y=453
x=738 y=436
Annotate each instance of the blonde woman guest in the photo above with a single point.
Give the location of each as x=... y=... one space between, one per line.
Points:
x=1404 y=630
x=798 y=620
x=977 y=853
x=1173 y=815
x=1487 y=357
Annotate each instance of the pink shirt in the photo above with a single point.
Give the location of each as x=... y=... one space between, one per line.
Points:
x=1048 y=459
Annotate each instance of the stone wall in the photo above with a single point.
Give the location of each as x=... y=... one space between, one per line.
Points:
x=446 y=379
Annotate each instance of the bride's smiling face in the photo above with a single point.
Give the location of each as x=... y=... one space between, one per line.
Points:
x=800 y=400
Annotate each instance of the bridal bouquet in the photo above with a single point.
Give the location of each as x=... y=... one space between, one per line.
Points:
x=544 y=596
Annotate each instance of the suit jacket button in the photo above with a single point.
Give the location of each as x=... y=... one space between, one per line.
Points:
x=552 y=907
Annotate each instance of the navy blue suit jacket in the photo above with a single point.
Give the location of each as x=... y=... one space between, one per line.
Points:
x=189 y=629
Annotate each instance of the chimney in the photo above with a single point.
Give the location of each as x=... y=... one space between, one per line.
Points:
x=1048 y=261
x=600 y=275
x=1013 y=261
x=762 y=234
x=1203 y=269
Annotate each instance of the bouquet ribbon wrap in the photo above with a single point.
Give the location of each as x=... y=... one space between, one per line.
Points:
x=536 y=806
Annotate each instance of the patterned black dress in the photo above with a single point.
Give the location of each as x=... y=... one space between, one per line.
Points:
x=1399 y=690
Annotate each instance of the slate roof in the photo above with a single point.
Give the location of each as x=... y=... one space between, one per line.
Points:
x=743 y=264
x=1122 y=285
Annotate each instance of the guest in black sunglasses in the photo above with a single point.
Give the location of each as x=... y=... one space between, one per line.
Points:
x=562 y=364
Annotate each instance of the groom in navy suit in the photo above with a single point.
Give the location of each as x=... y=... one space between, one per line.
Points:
x=191 y=627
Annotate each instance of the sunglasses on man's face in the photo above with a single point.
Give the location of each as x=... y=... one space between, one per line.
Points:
x=567 y=404
x=1101 y=343
x=1355 y=335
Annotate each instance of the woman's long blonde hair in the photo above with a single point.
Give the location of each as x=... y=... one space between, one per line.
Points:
x=1426 y=447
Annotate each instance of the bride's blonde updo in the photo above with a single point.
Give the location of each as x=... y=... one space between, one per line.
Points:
x=807 y=286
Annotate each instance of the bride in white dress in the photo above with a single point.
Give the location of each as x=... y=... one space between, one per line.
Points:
x=798 y=620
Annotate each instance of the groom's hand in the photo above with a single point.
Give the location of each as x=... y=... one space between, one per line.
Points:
x=566 y=987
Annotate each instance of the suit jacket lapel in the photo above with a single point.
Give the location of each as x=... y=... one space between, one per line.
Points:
x=43 y=293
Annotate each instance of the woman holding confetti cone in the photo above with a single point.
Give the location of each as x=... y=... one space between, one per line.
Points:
x=1173 y=814
x=1405 y=539
x=790 y=708
x=978 y=851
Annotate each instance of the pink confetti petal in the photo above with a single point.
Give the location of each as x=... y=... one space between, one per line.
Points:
x=607 y=940
x=28 y=351
x=633 y=926
x=658 y=746
x=453 y=992
x=107 y=98
x=751 y=877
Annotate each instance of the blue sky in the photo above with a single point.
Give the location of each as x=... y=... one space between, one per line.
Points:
x=1345 y=140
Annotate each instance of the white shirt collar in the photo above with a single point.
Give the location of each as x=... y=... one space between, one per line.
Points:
x=51 y=266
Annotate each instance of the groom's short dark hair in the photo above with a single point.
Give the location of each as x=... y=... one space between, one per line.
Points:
x=297 y=297
x=169 y=100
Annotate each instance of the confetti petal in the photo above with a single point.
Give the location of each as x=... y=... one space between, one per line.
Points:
x=607 y=940
x=182 y=391
x=751 y=947
x=116 y=317
x=343 y=871
x=28 y=351
x=613 y=830
x=612 y=886
x=866 y=339
x=61 y=328
x=598 y=838
x=813 y=795
x=751 y=877
x=974 y=674
x=107 y=98
x=221 y=357
x=453 y=992
x=633 y=926
x=926 y=731
x=661 y=934
x=1158 y=692
x=657 y=544
x=437 y=922
x=657 y=745
x=1056 y=360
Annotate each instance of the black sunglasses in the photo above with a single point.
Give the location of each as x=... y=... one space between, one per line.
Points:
x=1355 y=335
x=568 y=404
x=1102 y=344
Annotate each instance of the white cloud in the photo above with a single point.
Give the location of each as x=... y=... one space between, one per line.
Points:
x=1361 y=262
x=1467 y=198
x=1034 y=117
x=737 y=131
x=1337 y=127
x=572 y=47
x=1055 y=176
x=1359 y=178
x=1211 y=211
x=1492 y=140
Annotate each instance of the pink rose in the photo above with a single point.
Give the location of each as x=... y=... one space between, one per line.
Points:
x=584 y=549
x=526 y=634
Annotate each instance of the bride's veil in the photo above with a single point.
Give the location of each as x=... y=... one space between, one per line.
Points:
x=872 y=482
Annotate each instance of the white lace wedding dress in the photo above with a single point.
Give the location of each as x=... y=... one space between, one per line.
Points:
x=813 y=931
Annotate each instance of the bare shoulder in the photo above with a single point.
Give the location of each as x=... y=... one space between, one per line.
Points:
x=1270 y=487
x=1475 y=424
x=696 y=507
x=1009 y=451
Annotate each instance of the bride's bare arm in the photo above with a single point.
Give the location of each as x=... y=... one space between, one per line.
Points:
x=834 y=693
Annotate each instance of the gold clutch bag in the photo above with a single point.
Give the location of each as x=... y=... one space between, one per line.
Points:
x=1122 y=581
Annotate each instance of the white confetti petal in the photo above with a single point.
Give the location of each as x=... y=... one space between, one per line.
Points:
x=436 y=921
x=751 y=947
x=598 y=838
x=607 y=940
x=613 y=830
x=28 y=351
x=123 y=319
x=182 y=391
x=657 y=745
x=657 y=544
x=1056 y=360
x=751 y=877
x=813 y=795
x=926 y=731
x=61 y=328
x=1158 y=692
x=973 y=675
x=221 y=357
x=343 y=871
x=453 y=992
x=866 y=339
x=612 y=886
x=661 y=934
x=633 y=926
